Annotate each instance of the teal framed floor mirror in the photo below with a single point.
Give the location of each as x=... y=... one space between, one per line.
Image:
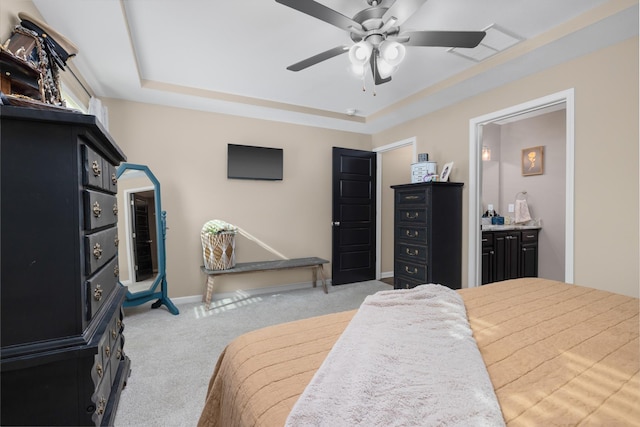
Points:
x=142 y=229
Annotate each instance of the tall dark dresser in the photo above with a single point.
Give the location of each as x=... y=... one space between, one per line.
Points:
x=428 y=234
x=62 y=358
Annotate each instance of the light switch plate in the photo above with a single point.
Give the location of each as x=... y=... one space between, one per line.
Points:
x=512 y=208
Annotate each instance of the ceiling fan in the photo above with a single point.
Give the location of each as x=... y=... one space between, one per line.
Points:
x=379 y=41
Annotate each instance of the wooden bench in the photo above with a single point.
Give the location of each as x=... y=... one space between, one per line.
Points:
x=316 y=264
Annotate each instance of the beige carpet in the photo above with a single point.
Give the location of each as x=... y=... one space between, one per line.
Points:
x=172 y=357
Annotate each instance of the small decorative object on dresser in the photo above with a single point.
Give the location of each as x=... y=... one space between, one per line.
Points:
x=428 y=234
x=62 y=360
x=31 y=61
x=446 y=171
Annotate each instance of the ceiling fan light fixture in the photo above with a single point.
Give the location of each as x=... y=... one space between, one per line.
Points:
x=392 y=52
x=360 y=53
x=358 y=70
x=385 y=69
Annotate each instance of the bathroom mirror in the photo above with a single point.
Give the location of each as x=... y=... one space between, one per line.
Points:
x=142 y=233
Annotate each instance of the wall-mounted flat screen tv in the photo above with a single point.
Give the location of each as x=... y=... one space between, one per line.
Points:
x=249 y=162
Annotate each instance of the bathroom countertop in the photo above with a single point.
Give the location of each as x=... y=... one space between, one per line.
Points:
x=509 y=227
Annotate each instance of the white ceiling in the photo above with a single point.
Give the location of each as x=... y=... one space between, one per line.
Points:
x=231 y=56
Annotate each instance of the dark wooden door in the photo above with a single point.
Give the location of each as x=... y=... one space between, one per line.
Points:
x=354 y=216
x=141 y=237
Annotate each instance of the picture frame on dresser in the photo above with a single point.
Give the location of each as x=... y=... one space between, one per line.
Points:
x=446 y=171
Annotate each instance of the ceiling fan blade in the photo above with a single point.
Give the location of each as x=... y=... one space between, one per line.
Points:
x=322 y=12
x=468 y=39
x=377 y=79
x=402 y=10
x=328 y=54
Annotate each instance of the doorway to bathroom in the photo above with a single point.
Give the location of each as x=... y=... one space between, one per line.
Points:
x=498 y=177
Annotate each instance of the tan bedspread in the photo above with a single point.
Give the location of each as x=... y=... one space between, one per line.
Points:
x=557 y=354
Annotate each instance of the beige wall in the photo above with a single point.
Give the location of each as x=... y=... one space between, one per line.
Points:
x=186 y=151
x=9 y=10
x=606 y=140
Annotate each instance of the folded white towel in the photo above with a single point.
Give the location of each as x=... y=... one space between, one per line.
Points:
x=522 y=211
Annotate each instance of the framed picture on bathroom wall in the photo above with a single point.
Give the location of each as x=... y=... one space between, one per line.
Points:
x=532 y=161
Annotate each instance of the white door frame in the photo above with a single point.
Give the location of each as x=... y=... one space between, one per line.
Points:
x=394 y=145
x=475 y=178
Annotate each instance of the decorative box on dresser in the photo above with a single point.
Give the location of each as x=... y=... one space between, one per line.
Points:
x=62 y=360
x=428 y=234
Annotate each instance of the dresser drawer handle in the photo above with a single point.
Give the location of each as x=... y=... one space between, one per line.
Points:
x=102 y=405
x=96 y=168
x=412 y=252
x=529 y=236
x=97 y=210
x=116 y=241
x=410 y=216
x=412 y=235
x=119 y=324
x=97 y=293
x=114 y=334
x=115 y=209
x=119 y=354
x=114 y=180
x=107 y=351
x=97 y=251
x=116 y=270
x=99 y=370
x=411 y=197
x=415 y=270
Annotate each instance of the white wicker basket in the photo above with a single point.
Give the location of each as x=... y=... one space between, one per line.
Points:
x=218 y=250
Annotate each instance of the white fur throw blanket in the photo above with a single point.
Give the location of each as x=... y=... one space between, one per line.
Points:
x=408 y=358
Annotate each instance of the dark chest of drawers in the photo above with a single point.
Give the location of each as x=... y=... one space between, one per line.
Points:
x=62 y=360
x=428 y=234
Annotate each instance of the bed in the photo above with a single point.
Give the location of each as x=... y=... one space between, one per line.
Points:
x=556 y=354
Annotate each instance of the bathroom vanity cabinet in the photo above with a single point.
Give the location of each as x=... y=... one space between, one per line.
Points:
x=509 y=253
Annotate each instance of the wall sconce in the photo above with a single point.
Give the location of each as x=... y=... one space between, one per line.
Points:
x=486 y=154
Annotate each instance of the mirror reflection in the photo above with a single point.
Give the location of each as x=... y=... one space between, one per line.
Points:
x=138 y=251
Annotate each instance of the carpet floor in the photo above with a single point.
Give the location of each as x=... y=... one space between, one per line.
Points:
x=173 y=357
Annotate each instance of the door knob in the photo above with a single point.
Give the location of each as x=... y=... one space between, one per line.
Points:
x=335 y=223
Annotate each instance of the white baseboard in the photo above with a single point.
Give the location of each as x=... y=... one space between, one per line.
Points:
x=247 y=293
x=386 y=274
